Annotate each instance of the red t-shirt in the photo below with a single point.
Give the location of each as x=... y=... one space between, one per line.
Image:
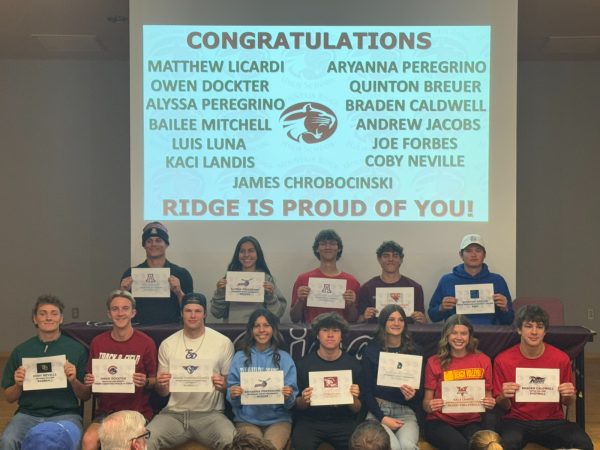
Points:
x=139 y=347
x=473 y=366
x=310 y=312
x=505 y=366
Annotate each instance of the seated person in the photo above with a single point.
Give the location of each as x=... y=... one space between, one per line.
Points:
x=333 y=424
x=124 y=430
x=485 y=440
x=390 y=256
x=155 y=310
x=61 y=435
x=542 y=423
x=122 y=342
x=261 y=350
x=472 y=271
x=44 y=405
x=327 y=247
x=197 y=416
x=457 y=359
x=247 y=257
x=394 y=407
x=370 y=435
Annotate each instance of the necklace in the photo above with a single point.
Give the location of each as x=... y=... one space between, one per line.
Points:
x=190 y=353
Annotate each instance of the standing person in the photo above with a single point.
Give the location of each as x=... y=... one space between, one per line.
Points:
x=390 y=256
x=124 y=430
x=332 y=424
x=193 y=415
x=122 y=342
x=247 y=257
x=543 y=423
x=472 y=271
x=393 y=407
x=261 y=350
x=457 y=359
x=327 y=247
x=152 y=310
x=44 y=405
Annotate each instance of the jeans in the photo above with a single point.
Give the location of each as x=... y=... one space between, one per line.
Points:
x=405 y=437
x=20 y=424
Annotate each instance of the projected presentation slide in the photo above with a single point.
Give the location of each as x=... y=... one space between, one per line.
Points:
x=316 y=123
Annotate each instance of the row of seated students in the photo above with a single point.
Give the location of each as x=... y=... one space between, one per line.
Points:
x=359 y=301
x=199 y=416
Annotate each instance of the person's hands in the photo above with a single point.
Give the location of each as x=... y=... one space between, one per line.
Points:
x=448 y=303
x=126 y=283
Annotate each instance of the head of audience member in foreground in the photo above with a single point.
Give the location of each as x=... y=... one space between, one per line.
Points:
x=244 y=441
x=485 y=440
x=61 y=435
x=532 y=314
x=370 y=435
x=124 y=430
x=456 y=324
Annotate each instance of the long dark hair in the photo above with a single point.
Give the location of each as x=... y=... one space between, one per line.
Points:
x=261 y=265
x=247 y=342
x=406 y=345
x=444 y=350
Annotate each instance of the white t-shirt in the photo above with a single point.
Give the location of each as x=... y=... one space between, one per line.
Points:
x=212 y=346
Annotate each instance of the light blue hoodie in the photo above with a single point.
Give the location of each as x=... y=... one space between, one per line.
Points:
x=262 y=415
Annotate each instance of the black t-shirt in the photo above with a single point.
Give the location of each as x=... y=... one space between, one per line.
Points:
x=153 y=311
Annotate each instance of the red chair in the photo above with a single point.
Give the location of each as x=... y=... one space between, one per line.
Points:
x=553 y=306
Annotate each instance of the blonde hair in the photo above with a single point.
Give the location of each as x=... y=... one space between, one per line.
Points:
x=485 y=440
x=444 y=350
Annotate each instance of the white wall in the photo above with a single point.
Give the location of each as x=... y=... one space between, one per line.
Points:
x=558 y=208
x=64 y=180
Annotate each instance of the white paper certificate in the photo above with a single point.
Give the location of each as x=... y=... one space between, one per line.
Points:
x=474 y=298
x=262 y=388
x=396 y=369
x=44 y=373
x=330 y=387
x=151 y=282
x=113 y=375
x=326 y=293
x=464 y=396
x=245 y=287
x=190 y=375
x=537 y=385
x=401 y=296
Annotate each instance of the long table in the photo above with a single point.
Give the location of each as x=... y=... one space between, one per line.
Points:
x=492 y=340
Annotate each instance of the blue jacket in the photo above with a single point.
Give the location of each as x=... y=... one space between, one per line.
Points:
x=445 y=288
x=262 y=415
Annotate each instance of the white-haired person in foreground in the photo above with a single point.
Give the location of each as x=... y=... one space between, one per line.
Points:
x=124 y=430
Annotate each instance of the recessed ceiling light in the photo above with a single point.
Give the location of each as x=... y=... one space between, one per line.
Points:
x=117 y=19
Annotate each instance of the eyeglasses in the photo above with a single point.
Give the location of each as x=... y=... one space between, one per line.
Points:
x=146 y=435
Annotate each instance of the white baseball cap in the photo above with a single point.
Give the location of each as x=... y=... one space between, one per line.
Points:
x=471 y=239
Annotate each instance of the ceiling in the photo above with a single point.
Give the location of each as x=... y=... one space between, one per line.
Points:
x=549 y=30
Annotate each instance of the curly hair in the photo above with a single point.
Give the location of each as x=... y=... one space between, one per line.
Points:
x=247 y=342
x=444 y=350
